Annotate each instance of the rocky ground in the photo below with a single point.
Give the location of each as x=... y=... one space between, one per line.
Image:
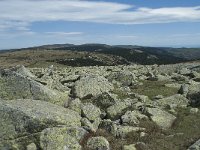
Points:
x=132 y=107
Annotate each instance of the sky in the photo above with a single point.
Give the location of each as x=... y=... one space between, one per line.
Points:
x=163 y=23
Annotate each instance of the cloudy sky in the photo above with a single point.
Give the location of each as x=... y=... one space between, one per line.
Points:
x=25 y=23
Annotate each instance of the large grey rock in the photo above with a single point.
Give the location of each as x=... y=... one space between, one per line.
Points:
x=117 y=110
x=90 y=111
x=194 y=94
x=162 y=118
x=61 y=138
x=23 y=71
x=20 y=118
x=133 y=118
x=16 y=86
x=98 y=143
x=176 y=100
x=125 y=78
x=90 y=85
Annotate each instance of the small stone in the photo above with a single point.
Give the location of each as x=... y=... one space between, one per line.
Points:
x=123 y=131
x=129 y=147
x=31 y=146
x=184 y=89
x=194 y=110
x=143 y=134
x=98 y=143
x=158 y=97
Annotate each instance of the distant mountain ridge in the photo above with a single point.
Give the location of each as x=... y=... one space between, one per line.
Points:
x=103 y=54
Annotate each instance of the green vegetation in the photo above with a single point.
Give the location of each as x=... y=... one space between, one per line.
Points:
x=154 y=88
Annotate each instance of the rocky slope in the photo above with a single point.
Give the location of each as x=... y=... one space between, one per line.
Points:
x=123 y=107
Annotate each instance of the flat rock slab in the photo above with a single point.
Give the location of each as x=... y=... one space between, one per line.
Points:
x=162 y=118
x=16 y=86
x=24 y=117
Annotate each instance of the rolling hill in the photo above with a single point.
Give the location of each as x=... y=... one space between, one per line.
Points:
x=96 y=54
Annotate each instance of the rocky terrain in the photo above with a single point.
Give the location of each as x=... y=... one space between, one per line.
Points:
x=124 y=107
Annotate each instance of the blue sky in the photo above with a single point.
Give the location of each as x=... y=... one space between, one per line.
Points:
x=25 y=23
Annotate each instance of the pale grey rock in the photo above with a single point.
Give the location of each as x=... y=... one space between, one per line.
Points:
x=160 y=77
x=143 y=134
x=184 y=71
x=23 y=71
x=194 y=110
x=173 y=85
x=158 y=97
x=69 y=79
x=178 y=77
x=122 y=131
x=57 y=139
x=20 y=118
x=133 y=118
x=16 y=86
x=194 y=94
x=31 y=146
x=129 y=147
x=75 y=105
x=90 y=126
x=98 y=143
x=162 y=118
x=195 y=75
x=90 y=111
x=142 y=98
x=176 y=100
x=125 y=78
x=117 y=110
x=89 y=86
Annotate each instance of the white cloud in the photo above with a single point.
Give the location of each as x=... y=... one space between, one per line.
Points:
x=185 y=35
x=127 y=36
x=19 y=14
x=64 y=33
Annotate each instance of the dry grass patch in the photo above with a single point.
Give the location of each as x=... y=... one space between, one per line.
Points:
x=154 y=88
